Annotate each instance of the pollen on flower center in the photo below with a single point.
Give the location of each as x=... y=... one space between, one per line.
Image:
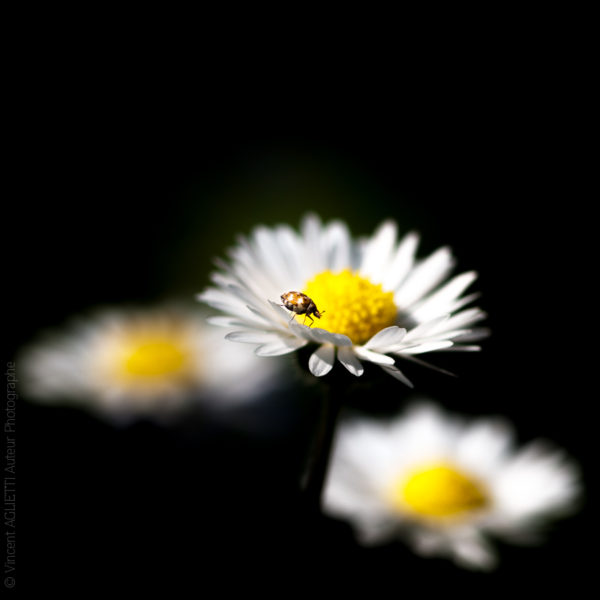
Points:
x=154 y=358
x=351 y=305
x=438 y=491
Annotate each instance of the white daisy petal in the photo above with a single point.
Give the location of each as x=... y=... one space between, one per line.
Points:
x=267 y=252
x=291 y=249
x=423 y=363
x=222 y=279
x=339 y=253
x=539 y=479
x=373 y=528
x=281 y=312
x=461 y=320
x=312 y=243
x=247 y=267
x=425 y=276
x=427 y=347
x=484 y=445
x=260 y=313
x=229 y=322
x=387 y=338
x=459 y=303
x=378 y=251
x=473 y=335
x=402 y=262
x=426 y=329
x=459 y=348
x=247 y=297
x=219 y=299
x=398 y=374
x=234 y=306
x=321 y=361
x=284 y=345
x=251 y=337
x=302 y=331
x=444 y=299
x=350 y=493
x=347 y=357
x=374 y=357
x=428 y=543
x=318 y=335
x=322 y=336
x=472 y=551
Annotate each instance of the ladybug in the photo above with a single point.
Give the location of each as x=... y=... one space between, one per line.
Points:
x=300 y=304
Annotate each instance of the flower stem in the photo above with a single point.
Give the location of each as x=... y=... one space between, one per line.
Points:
x=318 y=459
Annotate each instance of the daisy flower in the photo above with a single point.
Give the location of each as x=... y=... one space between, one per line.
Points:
x=443 y=484
x=128 y=362
x=374 y=300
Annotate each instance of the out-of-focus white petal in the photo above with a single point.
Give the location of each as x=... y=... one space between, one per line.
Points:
x=539 y=479
x=378 y=251
x=312 y=252
x=223 y=301
x=484 y=445
x=291 y=247
x=339 y=247
x=471 y=551
x=270 y=254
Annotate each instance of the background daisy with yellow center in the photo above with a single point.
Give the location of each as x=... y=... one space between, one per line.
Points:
x=376 y=300
x=443 y=484
x=128 y=362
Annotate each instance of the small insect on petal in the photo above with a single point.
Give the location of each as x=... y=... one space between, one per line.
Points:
x=300 y=304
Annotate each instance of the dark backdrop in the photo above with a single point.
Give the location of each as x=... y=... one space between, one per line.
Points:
x=124 y=202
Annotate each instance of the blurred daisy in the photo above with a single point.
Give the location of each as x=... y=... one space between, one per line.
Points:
x=443 y=484
x=375 y=300
x=128 y=362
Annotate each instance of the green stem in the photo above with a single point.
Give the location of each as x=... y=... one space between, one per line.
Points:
x=318 y=460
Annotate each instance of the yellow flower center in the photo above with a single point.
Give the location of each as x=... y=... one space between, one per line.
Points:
x=154 y=358
x=439 y=491
x=351 y=305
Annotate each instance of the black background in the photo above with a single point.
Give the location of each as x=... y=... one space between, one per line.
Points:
x=123 y=195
